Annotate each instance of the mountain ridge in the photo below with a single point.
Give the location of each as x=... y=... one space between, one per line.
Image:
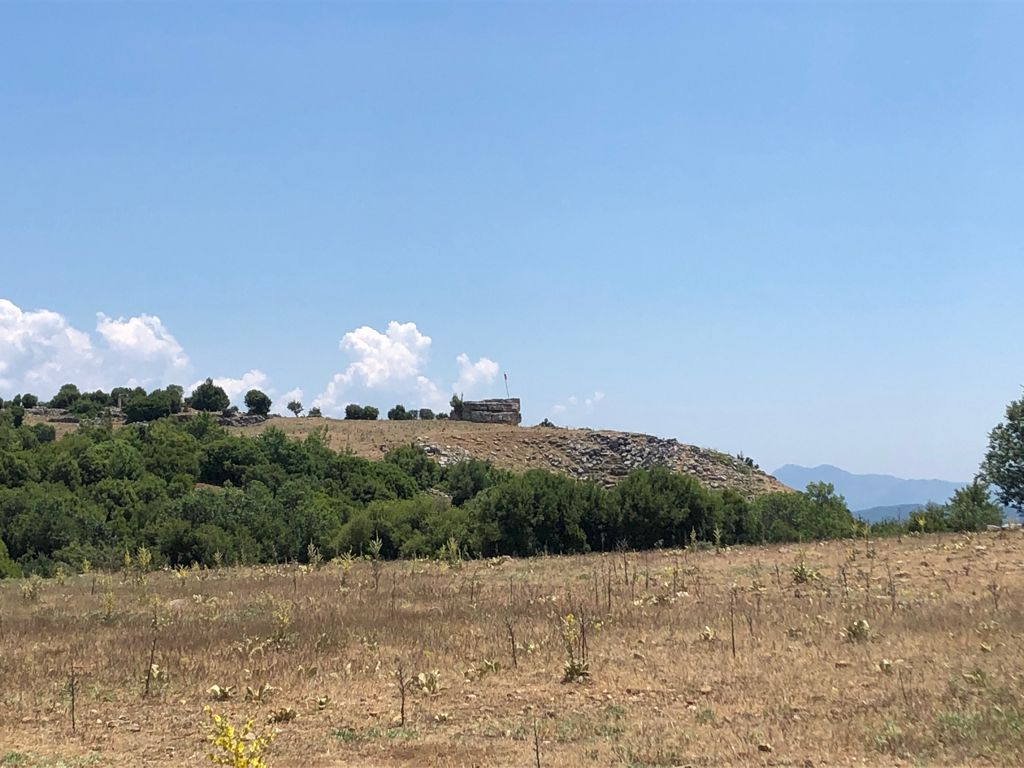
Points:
x=863 y=492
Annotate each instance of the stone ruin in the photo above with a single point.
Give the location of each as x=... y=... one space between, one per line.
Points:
x=502 y=411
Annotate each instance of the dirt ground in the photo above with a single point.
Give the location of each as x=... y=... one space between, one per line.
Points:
x=887 y=652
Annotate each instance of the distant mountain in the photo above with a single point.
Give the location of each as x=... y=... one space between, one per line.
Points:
x=864 y=492
x=894 y=512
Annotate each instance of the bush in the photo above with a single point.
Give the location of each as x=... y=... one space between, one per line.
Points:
x=426 y=414
x=355 y=412
x=399 y=413
x=257 y=402
x=414 y=461
x=465 y=479
x=156 y=405
x=314 y=412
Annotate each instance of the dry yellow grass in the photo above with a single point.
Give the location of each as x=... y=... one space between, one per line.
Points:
x=934 y=682
x=516 y=448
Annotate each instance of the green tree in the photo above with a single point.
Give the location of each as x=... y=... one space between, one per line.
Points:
x=426 y=414
x=257 y=402
x=971 y=508
x=1003 y=465
x=296 y=408
x=177 y=395
x=314 y=412
x=457 y=405
x=29 y=400
x=356 y=412
x=209 y=397
x=17 y=414
x=399 y=413
x=66 y=396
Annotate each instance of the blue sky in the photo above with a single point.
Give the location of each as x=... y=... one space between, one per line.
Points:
x=790 y=230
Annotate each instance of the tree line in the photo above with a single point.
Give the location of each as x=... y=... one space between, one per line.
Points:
x=191 y=492
x=138 y=405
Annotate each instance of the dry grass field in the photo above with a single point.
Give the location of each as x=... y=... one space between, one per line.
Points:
x=521 y=448
x=880 y=652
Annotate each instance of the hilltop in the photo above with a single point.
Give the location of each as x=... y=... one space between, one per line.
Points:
x=601 y=455
x=605 y=456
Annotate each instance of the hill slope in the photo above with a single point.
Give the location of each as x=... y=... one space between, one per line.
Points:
x=603 y=456
x=866 y=491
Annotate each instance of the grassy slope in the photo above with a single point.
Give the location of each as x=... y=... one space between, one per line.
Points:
x=520 y=448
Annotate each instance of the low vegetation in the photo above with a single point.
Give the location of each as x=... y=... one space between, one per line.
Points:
x=899 y=650
x=188 y=491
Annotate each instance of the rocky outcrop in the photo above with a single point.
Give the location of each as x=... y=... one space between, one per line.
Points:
x=602 y=456
x=606 y=457
x=240 y=420
x=503 y=411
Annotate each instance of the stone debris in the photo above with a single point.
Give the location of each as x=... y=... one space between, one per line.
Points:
x=607 y=457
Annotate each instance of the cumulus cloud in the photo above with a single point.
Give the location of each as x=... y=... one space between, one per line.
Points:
x=472 y=375
x=236 y=388
x=390 y=361
x=142 y=338
x=40 y=350
x=396 y=355
x=394 y=362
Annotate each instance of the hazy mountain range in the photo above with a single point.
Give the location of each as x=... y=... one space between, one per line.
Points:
x=871 y=496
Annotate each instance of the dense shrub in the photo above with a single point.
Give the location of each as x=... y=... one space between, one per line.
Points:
x=193 y=492
x=155 y=405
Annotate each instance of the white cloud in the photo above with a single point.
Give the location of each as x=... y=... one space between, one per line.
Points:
x=393 y=362
x=142 y=338
x=40 y=350
x=236 y=388
x=471 y=374
x=572 y=405
x=384 y=358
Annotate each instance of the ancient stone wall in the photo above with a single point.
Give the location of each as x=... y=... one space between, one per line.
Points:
x=504 y=411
